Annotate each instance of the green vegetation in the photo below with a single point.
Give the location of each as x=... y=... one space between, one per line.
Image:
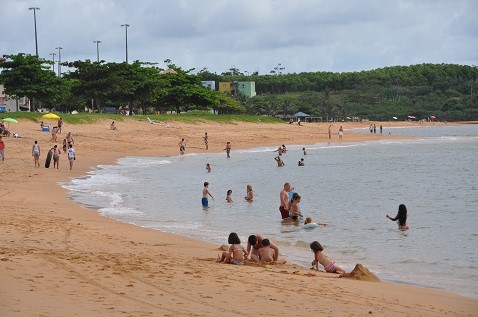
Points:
x=445 y=91
x=190 y=117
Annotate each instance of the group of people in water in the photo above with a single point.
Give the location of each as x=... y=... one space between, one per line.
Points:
x=260 y=249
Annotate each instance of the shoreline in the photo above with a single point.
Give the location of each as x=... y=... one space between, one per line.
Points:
x=295 y=262
x=53 y=244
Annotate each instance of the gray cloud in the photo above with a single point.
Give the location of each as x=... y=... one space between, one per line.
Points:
x=306 y=35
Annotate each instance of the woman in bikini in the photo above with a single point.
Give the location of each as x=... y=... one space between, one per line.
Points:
x=236 y=254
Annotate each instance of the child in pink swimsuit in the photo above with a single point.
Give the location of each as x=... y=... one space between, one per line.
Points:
x=321 y=257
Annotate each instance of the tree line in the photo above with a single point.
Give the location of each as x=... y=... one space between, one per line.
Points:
x=446 y=91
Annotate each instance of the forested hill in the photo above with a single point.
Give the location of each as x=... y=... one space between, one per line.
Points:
x=443 y=90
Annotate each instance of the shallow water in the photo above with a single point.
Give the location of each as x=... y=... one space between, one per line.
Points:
x=350 y=186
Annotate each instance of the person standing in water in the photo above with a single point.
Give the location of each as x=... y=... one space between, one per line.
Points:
x=401 y=217
x=205 y=194
x=228 y=149
x=284 y=201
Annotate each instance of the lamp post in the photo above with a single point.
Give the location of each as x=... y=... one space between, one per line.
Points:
x=126 y=32
x=59 y=60
x=97 y=50
x=35 y=21
x=53 y=58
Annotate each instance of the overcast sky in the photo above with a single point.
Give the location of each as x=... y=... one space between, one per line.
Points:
x=302 y=35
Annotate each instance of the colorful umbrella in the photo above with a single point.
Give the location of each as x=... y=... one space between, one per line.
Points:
x=10 y=120
x=50 y=116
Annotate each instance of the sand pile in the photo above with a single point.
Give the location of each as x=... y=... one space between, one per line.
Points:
x=361 y=273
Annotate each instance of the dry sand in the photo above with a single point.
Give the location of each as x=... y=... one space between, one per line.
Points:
x=60 y=259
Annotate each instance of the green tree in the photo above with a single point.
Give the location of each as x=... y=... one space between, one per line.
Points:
x=184 y=91
x=30 y=76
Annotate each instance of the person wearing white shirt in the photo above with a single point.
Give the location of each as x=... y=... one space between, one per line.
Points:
x=71 y=156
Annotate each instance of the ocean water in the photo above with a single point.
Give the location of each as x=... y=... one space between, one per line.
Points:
x=349 y=186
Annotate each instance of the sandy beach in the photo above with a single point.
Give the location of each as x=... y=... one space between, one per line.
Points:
x=58 y=258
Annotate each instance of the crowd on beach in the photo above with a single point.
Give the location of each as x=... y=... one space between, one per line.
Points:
x=54 y=152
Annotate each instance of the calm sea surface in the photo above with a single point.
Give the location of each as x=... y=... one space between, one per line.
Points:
x=350 y=186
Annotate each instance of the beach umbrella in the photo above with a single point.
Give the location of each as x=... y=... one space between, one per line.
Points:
x=394 y=118
x=10 y=120
x=433 y=117
x=50 y=116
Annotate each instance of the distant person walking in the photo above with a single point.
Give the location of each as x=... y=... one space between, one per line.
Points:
x=60 y=124
x=381 y=128
x=206 y=143
x=341 y=132
x=36 y=154
x=56 y=156
x=330 y=132
x=2 y=149
x=182 y=146
x=71 y=156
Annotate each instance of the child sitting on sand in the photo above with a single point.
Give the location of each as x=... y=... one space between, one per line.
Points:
x=236 y=252
x=321 y=257
x=266 y=253
x=229 y=196
x=250 y=194
x=401 y=217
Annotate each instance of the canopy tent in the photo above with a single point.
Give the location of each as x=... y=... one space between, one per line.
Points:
x=300 y=114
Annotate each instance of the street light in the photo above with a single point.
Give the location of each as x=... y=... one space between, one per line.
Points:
x=53 y=58
x=126 y=31
x=35 y=21
x=59 y=60
x=97 y=50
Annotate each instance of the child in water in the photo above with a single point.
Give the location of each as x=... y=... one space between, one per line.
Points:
x=308 y=221
x=236 y=252
x=250 y=194
x=208 y=168
x=321 y=257
x=294 y=211
x=229 y=196
x=401 y=217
